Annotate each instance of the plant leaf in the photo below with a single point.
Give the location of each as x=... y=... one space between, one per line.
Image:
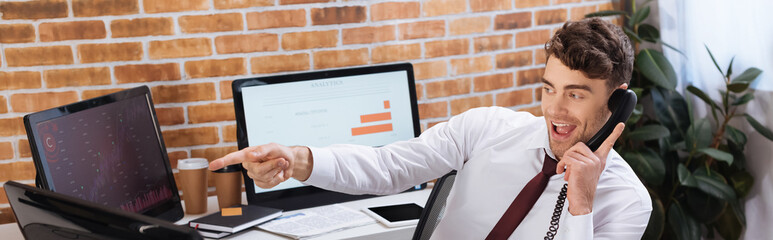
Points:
x=649 y=33
x=685 y=177
x=698 y=135
x=729 y=225
x=657 y=222
x=730 y=68
x=656 y=68
x=718 y=154
x=743 y=99
x=759 y=127
x=714 y=184
x=672 y=111
x=737 y=87
x=713 y=60
x=673 y=48
x=703 y=96
x=683 y=225
x=742 y=182
x=632 y=35
x=748 y=76
x=649 y=132
x=639 y=16
x=735 y=135
x=635 y=115
x=647 y=164
x=606 y=13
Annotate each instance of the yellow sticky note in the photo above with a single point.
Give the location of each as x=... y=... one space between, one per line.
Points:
x=234 y=211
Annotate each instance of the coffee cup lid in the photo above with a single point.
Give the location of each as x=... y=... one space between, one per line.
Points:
x=230 y=168
x=192 y=163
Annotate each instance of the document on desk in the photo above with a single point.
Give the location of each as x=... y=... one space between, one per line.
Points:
x=315 y=221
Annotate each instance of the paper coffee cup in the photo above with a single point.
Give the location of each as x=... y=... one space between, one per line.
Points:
x=228 y=185
x=193 y=179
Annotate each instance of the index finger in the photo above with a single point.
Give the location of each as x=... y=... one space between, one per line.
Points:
x=607 y=145
x=237 y=157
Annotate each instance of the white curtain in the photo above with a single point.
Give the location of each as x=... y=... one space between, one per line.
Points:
x=743 y=29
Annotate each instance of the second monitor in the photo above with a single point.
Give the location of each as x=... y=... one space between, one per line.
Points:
x=371 y=106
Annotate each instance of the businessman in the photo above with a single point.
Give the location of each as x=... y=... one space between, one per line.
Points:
x=511 y=165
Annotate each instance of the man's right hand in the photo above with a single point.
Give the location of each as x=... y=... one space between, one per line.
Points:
x=270 y=164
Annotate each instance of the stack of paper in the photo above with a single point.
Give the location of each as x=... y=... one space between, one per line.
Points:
x=316 y=221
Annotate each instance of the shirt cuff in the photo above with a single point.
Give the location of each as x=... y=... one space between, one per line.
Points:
x=579 y=227
x=323 y=169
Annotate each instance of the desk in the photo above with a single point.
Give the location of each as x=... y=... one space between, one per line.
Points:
x=373 y=231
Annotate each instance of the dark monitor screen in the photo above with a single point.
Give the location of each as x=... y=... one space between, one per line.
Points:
x=106 y=151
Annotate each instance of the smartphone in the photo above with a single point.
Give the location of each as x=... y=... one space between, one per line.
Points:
x=396 y=215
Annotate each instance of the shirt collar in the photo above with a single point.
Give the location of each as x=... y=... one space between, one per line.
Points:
x=539 y=137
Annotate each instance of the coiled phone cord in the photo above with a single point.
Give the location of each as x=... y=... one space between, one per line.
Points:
x=556 y=214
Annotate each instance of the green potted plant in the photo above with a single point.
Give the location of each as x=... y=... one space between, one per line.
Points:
x=694 y=168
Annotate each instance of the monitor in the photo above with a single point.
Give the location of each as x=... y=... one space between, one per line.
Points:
x=42 y=214
x=107 y=150
x=371 y=106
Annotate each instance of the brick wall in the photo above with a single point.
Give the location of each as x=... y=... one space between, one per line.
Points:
x=466 y=54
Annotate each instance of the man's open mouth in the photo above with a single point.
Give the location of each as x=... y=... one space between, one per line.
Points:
x=561 y=131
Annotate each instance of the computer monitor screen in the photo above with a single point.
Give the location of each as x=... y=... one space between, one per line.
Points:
x=106 y=151
x=371 y=106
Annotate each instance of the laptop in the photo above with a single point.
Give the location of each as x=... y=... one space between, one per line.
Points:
x=43 y=214
x=106 y=150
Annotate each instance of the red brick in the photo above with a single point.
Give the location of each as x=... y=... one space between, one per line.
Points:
x=531 y=3
x=419 y=91
x=276 y=19
x=170 y=116
x=512 y=21
x=280 y=63
x=306 y=40
x=470 y=65
x=12 y=127
x=211 y=23
x=213 y=112
x=33 y=102
x=33 y=56
x=159 y=6
x=183 y=93
x=566 y=1
x=578 y=13
x=463 y=104
x=231 y=4
x=6 y=214
x=550 y=16
x=340 y=58
x=180 y=48
x=288 y=2
x=535 y=110
x=147 y=73
x=393 y=53
x=538 y=93
x=531 y=38
x=514 y=98
x=513 y=59
x=425 y=29
x=90 y=8
x=258 y=42
x=443 y=48
x=60 y=31
x=229 y=133
x=394 y=10
x=489 y=5
x=77 y=77
x=22 y=170
x=141 y=27
x=215 y=67
x=368 y=34
x=6 y=152
x=110 y=52
x=539 y=56
x=448 y=88
x=213 y=153
x=530 y=76
x=226 y=92
x=88 y=94
x=3 y=105
x=493 y=43
x=338 y=15
x=190 y=137
x=19 y=80
x=433 y=110
x=493 y=82
x=175 y=156
x=17 y=33
x=33 y=9
x=427 y=70
x=443 y=7
x=24 y=148
x=463 y=26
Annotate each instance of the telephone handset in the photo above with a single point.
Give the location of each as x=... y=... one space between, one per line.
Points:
x=621 y=103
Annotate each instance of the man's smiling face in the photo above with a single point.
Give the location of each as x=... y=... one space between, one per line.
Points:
x=574 y=106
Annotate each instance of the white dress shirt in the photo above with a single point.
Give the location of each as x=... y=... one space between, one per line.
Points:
x=496 y=151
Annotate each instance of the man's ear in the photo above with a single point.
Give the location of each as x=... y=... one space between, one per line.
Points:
x=623 y=86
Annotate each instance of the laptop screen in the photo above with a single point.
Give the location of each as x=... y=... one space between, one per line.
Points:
x=368 y=109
